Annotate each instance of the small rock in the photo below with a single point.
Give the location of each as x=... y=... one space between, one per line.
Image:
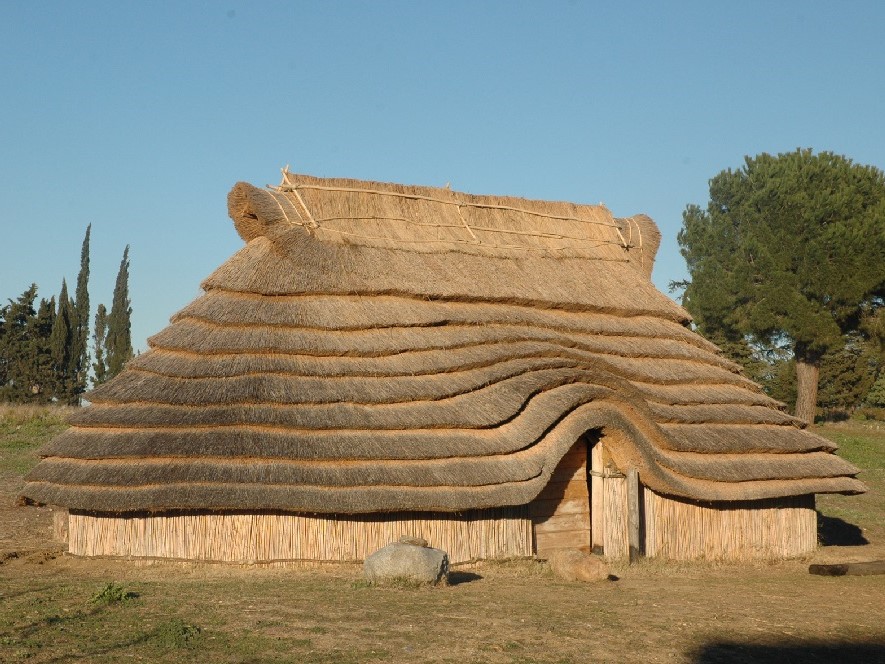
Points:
x=413 y=540
x=409 y=563
x=574 y=565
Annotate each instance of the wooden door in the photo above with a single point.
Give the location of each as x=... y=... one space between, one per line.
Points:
x=561 y=513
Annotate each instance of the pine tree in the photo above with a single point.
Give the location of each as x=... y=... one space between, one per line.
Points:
x=876 y=396
x=99 y=340
x=789 y=248
x=79 y=359
x=61 y=345
x=847 y=374
x=119 y=338
x=19 y=349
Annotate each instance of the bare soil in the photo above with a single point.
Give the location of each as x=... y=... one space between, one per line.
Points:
x=57 y=608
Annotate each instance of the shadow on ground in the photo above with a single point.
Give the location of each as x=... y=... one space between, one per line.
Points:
x=832 y=531
x=843 y=653
x=456 y=578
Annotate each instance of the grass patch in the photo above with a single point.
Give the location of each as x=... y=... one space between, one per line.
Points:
x=23 y=429
x=863 y=444
x=176 y=633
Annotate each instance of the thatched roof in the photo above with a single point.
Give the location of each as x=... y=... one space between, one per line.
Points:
x=379 y=347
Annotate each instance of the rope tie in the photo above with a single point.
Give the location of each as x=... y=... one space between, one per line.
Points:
x=289 y=186
x=611 y=474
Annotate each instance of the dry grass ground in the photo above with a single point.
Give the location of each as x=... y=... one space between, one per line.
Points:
x=55 y=608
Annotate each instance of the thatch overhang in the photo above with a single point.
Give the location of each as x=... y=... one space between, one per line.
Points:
x=379 y=347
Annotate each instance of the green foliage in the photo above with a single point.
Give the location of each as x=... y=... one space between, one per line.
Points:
x=43 y=370
x=780 y=383
x=869 y=413
x=790 y=247
x=112 y=593
x=18 y=348
x=847 y=374
x=876 y=396
x=80 y=320
x=99 y=339
x=44 y=351
x=62 y=346
x=3 y=362
x=119 y=336
x=176 y=633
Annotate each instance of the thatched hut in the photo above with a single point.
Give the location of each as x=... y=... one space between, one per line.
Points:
x=494 y=374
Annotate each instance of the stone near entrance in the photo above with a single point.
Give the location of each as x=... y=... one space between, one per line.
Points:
x=575 y=565
x=410 y=561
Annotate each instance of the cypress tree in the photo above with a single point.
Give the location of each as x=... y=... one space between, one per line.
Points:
x=79 y=359
x=61 y=346
x=3 y=362
x=44 y=374
x=119 y=337
x=99 y=339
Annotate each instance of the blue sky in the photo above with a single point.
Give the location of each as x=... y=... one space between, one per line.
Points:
x=139 y=117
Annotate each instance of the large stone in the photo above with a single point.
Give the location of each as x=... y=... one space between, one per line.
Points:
x=406 y=562
x=575 y=565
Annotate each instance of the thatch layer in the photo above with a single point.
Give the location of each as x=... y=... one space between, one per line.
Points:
x=385 y=348
x=293 y=265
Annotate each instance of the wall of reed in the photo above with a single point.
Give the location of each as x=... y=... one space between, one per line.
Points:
x=616 y=543
x=771 y=529
x=671 y=528
x=252 y=538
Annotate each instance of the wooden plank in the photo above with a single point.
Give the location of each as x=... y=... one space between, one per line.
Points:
x=849 y=569
x=577 y=452
x=60 y=524
x=546 y=543
x=551 y=506
x=564 y=490
x=568 y=473
x=562 y=522
x=633 y=513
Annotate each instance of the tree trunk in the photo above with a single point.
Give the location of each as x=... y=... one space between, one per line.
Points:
x=807 y=372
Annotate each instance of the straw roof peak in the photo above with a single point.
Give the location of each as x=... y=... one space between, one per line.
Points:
x=434 y=220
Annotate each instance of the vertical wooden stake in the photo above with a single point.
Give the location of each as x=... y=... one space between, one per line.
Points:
x=597 y=498
x=633 y=513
